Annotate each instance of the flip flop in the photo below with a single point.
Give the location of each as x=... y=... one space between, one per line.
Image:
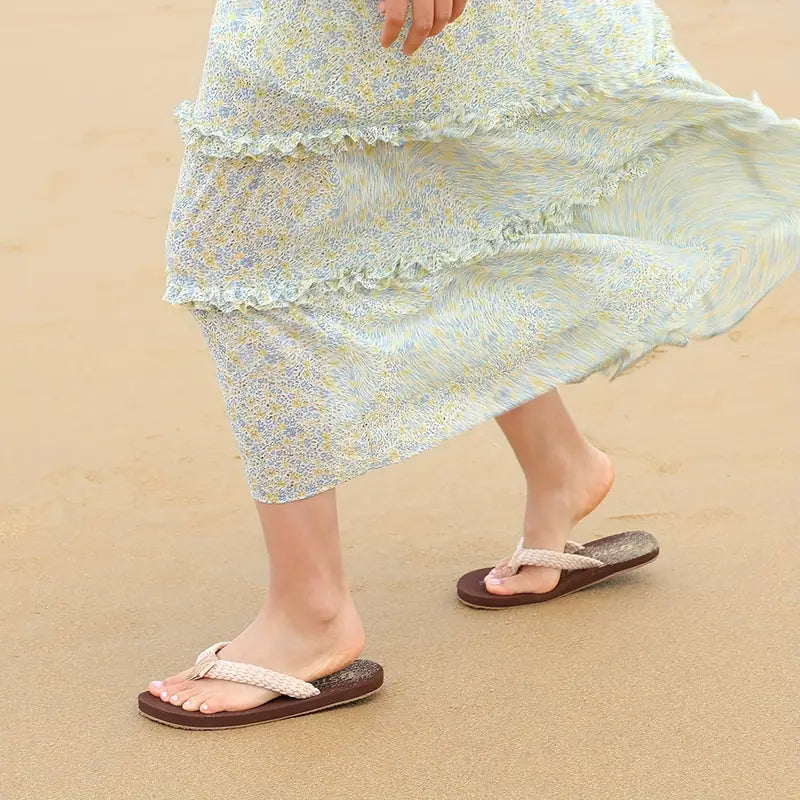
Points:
x=361 y=679
x=582 y=565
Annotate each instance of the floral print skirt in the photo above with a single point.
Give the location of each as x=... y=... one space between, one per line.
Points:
x=378 y=264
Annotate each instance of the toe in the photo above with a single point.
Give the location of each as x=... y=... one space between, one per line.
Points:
x=179 y=678
x=210 y=706
x=169 y=692
x=194 y=702
x=501 y=570
x=497 y=585
x=529 y=580
x=179 y=697
x=156 y=688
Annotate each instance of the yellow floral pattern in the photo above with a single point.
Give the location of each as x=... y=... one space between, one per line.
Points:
x=380 y=258
x=293 y=78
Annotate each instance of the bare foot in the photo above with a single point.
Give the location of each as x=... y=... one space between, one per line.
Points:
x=305 y=646
x=562 y=494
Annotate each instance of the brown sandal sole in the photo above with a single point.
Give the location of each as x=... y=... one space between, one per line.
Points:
x=361 y=679
x=622 y=552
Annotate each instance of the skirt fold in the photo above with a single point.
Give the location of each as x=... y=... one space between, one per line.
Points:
x=367 y=296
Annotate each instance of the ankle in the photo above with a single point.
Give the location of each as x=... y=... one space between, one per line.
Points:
x=314 y=607
x=564 y=463
x=550 y=478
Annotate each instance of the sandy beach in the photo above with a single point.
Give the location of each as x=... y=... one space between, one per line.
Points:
x=128 y=541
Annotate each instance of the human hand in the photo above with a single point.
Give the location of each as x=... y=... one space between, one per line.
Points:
x=429 y=18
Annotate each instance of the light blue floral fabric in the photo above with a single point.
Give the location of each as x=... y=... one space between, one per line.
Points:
x=385 y=251
x=284 y=77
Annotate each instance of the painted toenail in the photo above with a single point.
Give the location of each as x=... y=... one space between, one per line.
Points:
x=158 y=684
x=174 y=698
x=494 y=581
x=164 y=695
x=204 y=707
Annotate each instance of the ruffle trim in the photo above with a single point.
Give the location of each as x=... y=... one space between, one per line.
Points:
x=512 y=233
x=460 y=125
x=523 y=382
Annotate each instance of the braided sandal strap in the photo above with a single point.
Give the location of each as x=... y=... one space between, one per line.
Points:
x=209 y=665
x=570 y=559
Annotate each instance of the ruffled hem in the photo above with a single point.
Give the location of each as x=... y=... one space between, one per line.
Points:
x=513 y=233
x=487 y=398
x=517 y=232
x=461 y=125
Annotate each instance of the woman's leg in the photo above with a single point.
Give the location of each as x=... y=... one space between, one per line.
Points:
x=307 y=626
x=566 y=478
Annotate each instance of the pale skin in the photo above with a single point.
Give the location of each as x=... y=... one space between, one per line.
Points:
x=308 y=626
x=428 y=18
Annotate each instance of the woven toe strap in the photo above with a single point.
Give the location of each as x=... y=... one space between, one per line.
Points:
x=571 y=558
x=208 y=665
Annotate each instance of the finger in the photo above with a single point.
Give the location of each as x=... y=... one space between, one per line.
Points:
x=442 y=12
x=420 y=26
x=458 y=9
x=394 y=18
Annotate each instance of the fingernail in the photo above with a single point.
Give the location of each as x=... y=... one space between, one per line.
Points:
x=381 y=7
x=164 y=695
x=158 y=683
x=494 y=581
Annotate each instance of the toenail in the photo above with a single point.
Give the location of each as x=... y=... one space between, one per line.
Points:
x=204 y=707
x=158 y=684
x=164 y=695
x=494 y=581
x=174 y=698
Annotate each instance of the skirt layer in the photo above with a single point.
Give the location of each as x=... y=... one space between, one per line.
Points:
x=264 y=233
x=378 y=264
x=322 y=391
x=284 y=78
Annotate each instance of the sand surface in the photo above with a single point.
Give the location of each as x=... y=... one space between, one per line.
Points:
x=128 y=542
